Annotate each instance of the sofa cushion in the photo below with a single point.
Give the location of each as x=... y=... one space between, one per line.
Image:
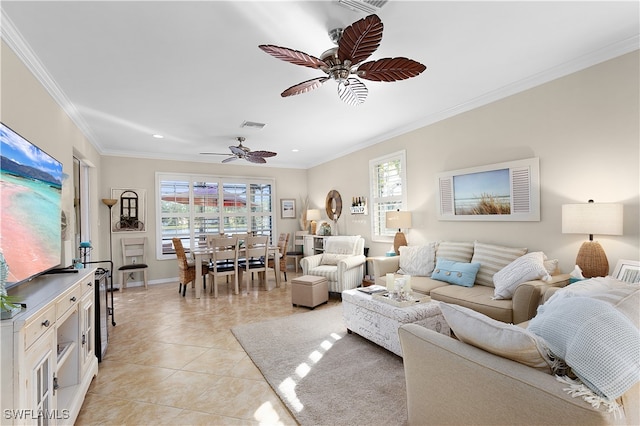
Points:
x=479 y=298
x=457 y=273
x=417 y=260
x=492 y=258
x=595 y=339
x=505 y=340
x=456 y=251
x=525 y=268
x=422 y=284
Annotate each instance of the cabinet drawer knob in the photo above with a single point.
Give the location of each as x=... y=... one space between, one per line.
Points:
x=90 y=284
x=46 y=323
x=73 y=299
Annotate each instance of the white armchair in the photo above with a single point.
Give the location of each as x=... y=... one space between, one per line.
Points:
x=342 y=262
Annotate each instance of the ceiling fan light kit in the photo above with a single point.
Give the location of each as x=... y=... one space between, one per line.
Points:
x=354 y=44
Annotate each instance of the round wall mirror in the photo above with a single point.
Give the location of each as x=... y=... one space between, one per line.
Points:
x=333 y=205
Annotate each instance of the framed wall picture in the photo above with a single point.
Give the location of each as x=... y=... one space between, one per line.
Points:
x=627 y=271
x=129 y=214
x=507 y=191
x=288 y=208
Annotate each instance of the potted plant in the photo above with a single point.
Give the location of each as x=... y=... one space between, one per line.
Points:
x=8 y=304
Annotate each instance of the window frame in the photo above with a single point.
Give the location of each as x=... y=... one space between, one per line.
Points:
x=399 y=201
x=190 y=179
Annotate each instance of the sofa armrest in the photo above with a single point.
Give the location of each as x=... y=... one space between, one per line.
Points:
x=310 y=262
x=350 y=263
x=444 y=377
x=529 y=295
x=385 y=265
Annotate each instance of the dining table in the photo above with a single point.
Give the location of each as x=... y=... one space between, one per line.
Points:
x=201 y=254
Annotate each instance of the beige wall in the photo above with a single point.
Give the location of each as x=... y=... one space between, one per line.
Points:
x=29 y=110
x=583 y=127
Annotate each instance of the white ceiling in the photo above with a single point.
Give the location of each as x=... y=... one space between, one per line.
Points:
x=192 y=71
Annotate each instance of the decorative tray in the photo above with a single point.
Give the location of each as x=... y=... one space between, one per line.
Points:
x=412 y=300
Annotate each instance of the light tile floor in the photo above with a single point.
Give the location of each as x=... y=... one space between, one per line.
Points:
x=173 y=360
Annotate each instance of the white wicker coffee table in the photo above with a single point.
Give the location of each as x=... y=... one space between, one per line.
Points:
x=379 y=321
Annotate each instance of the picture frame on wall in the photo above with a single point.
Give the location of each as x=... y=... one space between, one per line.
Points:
x=129 y=214
x=508 y=191
x=288 y=208
x=627 y=271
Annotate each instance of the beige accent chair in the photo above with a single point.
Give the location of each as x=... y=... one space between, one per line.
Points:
x=341 y=262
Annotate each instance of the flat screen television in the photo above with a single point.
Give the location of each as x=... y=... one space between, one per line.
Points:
x=31 y=197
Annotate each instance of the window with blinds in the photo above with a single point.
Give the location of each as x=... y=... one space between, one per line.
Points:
x=189 y=207
x=388 y=192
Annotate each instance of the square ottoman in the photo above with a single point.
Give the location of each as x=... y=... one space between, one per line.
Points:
x=309 y=291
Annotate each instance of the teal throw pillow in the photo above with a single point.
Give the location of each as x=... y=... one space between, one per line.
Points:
x=457 y=273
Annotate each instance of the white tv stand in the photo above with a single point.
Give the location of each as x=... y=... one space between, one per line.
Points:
x=48 y=350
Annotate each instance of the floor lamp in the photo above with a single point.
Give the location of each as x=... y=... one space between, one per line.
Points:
x=110 y=202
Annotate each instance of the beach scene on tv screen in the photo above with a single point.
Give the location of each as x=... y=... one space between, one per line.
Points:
x=31 y=194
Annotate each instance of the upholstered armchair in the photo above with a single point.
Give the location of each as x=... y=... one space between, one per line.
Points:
x=341 y=262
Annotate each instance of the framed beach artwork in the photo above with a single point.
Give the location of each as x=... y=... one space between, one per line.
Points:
x=288 y=208
x=129 y=214
x=627 y=271
x=507 y=191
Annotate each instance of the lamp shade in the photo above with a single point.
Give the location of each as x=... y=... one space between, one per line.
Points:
x=592 y=218
x=313 y=214
x=398 y=219
x=110 y=202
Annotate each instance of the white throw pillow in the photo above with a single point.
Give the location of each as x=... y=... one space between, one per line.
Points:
x=417 y=260
x=525 y=268
x=332 y=258
x=343 y=244
x=492 y=258
x=499 y=338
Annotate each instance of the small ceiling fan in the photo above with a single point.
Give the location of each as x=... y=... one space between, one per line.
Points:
x=354 y=44
x=244 y=153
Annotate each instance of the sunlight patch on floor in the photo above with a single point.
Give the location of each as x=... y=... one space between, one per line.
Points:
x=288 y=385
x=266 y=415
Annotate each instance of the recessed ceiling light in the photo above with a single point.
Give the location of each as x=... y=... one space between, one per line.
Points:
x=157 y=136
x=295 y=150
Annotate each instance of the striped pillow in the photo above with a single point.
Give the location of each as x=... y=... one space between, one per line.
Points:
x=492 y=258
x=456 y=251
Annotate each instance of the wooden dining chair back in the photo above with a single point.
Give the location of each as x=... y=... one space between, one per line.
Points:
x=283 y=242
x=254 y=259
x=297 y=252
x=224 y=261
x=134 y=259
x=186 y=267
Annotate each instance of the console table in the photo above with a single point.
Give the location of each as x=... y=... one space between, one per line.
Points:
x=48 y=350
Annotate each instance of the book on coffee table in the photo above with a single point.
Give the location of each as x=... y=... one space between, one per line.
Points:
x=373 y=289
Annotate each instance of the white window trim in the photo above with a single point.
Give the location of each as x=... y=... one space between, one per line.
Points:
x=398 y=155
x=191 y=177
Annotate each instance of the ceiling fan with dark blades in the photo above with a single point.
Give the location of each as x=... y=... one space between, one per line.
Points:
x=244 y=153
x=354 y=44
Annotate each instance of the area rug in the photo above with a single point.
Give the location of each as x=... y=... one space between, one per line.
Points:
x=324 y=375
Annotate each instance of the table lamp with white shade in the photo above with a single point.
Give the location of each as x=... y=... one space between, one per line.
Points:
x=313 y=215
x=592 y=218
x=399 y=220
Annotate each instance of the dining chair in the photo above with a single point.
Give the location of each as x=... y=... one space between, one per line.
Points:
x=298 y=248
x=224 y=261
x=134 y=259
x=283 y=242
x=186 y=267
x=255 y=255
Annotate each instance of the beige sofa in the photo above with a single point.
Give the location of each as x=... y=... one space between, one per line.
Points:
x=461 y=384
x=521 y=307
